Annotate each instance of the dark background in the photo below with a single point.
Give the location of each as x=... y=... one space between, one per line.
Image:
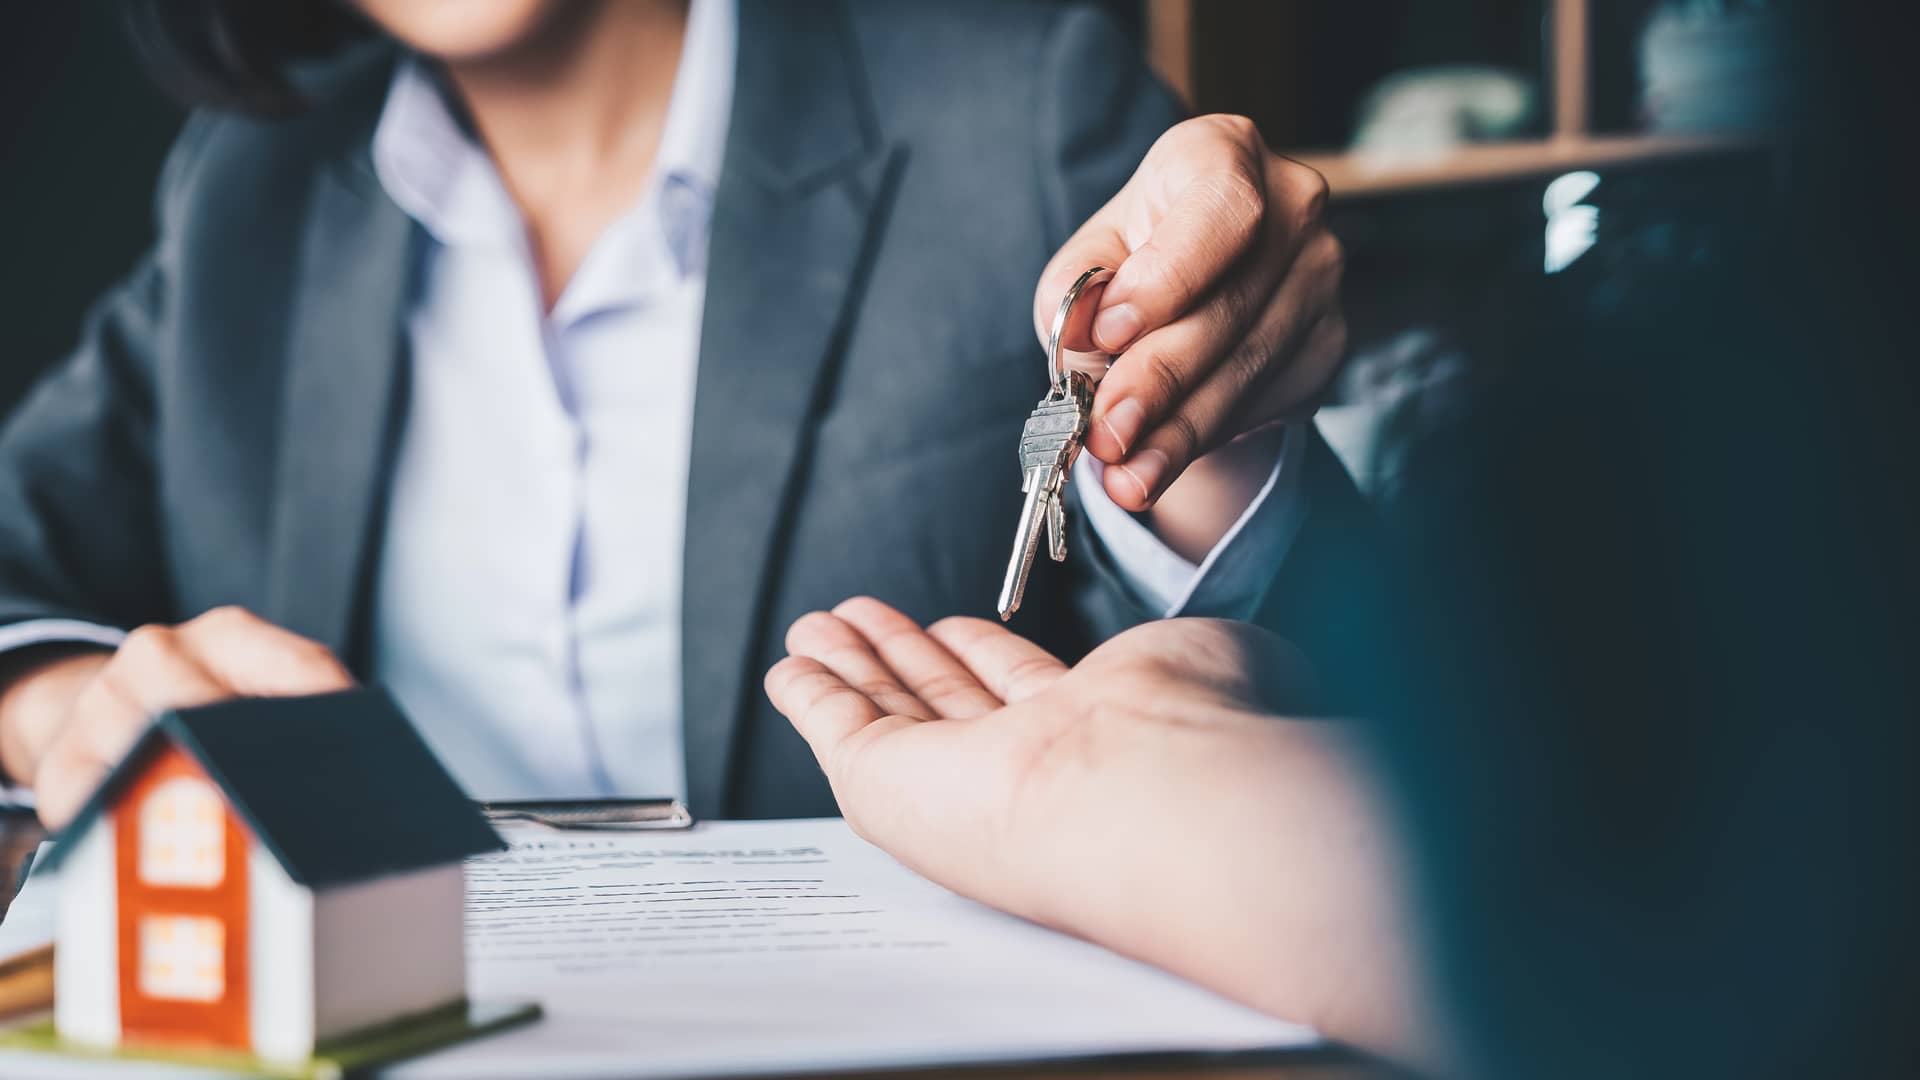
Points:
x=82 y=132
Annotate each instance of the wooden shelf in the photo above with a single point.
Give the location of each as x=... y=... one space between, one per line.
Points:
x=1355 y=175
x=1189 y=39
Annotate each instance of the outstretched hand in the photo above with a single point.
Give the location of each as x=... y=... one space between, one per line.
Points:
x=1148 y=799
x=960 y=747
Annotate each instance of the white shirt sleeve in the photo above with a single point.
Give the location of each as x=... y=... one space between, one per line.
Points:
x=58 y=632
x=1232 y=577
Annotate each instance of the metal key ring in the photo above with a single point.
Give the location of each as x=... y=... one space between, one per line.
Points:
x=1056 y=371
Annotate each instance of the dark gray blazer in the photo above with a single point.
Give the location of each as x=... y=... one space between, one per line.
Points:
x=894 y=179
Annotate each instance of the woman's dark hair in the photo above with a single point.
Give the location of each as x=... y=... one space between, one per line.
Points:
x=236 y=54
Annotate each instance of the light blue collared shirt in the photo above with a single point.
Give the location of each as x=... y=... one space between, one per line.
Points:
x=527 y=610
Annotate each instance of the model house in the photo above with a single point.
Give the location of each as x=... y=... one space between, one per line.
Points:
x=263 y=875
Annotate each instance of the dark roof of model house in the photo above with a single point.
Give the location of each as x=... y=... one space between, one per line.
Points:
x=339 y=787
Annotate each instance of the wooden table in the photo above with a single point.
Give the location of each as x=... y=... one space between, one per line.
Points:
x=20 y=833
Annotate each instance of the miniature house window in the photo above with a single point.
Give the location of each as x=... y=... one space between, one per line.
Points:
x=182 y=958
x=183 y=835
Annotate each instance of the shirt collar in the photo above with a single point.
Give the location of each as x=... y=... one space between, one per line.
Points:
x=435 y=171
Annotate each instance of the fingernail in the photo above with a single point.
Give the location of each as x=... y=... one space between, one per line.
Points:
x=1124 y=422
x=1115 y=328
x=1145 y=469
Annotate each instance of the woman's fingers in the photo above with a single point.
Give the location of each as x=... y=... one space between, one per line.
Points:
x=1097 y=242
x=1224 y=266
x=931 y=672
x=256 y=658
x=64 y=780
x=1011 y=667
x=222 y=654
x=1149 y=384
x=1213 y=208
x=152 y=671
x=840 y=648
x=1296 y=392
x=1270 y=363
x=1190 y=211
x=1171 y=398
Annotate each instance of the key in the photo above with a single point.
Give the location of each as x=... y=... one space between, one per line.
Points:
x=1049 y=443
x=1057 y=528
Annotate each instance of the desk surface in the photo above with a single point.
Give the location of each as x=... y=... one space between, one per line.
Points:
x=20 y=834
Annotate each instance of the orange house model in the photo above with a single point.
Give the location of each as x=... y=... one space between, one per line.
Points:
x=264 y=875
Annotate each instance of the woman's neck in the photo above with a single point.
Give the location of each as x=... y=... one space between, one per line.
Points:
x=573 y=118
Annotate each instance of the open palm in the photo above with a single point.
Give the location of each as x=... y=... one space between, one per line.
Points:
x=1150 y=798
x=954 y=747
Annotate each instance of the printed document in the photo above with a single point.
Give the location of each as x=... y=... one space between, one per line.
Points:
x=787 y=946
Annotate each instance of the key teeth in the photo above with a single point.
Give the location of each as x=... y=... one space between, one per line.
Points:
x=1056 y=529
x=1047 y=454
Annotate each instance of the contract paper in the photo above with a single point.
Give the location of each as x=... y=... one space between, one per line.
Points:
x=789 y=946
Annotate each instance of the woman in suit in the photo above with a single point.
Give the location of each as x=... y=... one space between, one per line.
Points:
x=542 y=360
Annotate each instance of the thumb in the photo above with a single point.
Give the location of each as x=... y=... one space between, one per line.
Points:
x=1097 y=243
x=1189 y=212
x=1210 y=221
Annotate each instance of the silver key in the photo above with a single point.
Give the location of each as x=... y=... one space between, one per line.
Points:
x=1048 y=444
x=1052 y=438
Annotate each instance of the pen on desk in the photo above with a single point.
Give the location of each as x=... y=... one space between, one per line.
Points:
x=615 y=815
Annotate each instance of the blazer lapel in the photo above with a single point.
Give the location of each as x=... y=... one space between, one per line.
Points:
x=342 y=405
x=805 y=178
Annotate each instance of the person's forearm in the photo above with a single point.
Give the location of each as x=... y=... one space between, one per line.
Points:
x=37 y=688
x=1256 y=862
x=1199 y=508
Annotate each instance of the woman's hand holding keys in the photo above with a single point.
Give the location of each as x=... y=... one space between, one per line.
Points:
x=1224 y=310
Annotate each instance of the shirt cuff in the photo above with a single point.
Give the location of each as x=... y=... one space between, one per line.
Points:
x=1229 y=582
x=23 y=635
